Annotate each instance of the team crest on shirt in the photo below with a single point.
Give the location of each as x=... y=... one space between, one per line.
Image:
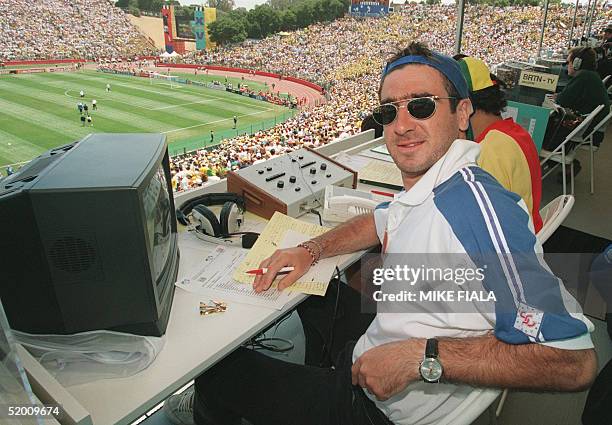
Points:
x=528 y=320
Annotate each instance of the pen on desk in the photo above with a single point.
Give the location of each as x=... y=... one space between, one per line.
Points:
x=264 y=270
x=378 y=192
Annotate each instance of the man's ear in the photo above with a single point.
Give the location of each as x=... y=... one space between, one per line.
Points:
x=464 y=112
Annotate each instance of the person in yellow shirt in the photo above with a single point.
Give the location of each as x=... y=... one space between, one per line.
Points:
x=507 y=152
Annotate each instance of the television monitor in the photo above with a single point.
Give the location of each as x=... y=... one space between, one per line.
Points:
x=89 y=238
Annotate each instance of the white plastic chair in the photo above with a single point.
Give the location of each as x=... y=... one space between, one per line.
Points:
x=586 y=143
x=561 y=157
x=553 y=215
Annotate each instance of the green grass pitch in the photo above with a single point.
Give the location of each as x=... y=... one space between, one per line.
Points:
x=39 y=111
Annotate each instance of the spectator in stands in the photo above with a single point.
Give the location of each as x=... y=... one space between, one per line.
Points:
x=607 y=41
x=507 y=151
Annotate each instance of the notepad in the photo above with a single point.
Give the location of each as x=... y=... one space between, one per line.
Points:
x=285 y=232
x=384 y=173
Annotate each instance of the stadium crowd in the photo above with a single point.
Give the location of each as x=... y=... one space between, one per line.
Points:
x=59 y=29
x=346 y=56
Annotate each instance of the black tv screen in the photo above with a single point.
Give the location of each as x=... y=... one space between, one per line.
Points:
x=90 y=238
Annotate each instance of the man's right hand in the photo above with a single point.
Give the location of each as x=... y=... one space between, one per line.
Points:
x=299 y=258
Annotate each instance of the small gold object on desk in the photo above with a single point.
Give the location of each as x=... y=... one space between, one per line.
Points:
x=214 y=307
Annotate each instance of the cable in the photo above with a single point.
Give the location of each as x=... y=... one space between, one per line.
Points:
x=280 y=322
x=563 y=113
x=317 y=213
x=328 y=347
x=273 y=344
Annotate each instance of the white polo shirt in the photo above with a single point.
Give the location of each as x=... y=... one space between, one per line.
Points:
x=456 y=207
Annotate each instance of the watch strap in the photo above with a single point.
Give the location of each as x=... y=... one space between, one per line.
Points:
x=431 y=348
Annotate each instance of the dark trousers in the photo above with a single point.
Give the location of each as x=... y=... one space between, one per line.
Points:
x=267 y=391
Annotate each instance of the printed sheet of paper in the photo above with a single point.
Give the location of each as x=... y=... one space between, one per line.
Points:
x=354 y=162
x=213 y=280
x=382 y=172
x=369 y=153
x=272 y=238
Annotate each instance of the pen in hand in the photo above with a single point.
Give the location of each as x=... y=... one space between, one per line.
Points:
x=264 y=270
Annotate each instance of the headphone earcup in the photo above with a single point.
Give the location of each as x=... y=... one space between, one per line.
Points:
x=209 y=224
x=230 y=218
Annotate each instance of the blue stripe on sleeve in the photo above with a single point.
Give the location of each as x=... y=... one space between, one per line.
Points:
x=493 y=229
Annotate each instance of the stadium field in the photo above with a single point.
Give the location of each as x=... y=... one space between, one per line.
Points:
x=39 y=111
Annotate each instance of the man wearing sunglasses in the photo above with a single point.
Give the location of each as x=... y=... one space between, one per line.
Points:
x=412 y=368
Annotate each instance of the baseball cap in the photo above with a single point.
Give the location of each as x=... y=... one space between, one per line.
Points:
x=476 y=73
x=444 y=64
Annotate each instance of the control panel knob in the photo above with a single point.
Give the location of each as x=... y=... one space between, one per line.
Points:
x=314 y=182
x=260 y=171
x=293 y=160
x=280 y=184
x=324 y=166
x=269 y=169
x=313 y=170
x=301 y=157
x=292 y=179
x=297 y=189
x=328 y=175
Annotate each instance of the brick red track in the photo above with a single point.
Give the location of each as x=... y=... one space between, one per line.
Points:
x=284 y=86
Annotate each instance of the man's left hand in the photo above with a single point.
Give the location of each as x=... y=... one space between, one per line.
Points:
x=387 y=369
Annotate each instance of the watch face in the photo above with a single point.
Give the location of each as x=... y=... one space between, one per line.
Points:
x=431 y=370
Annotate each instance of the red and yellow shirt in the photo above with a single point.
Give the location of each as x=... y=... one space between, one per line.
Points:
x=508 y=153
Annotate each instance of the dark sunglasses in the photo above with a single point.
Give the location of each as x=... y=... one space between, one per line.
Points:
x=419 y=108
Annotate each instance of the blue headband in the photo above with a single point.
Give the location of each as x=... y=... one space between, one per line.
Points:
x=447 y=66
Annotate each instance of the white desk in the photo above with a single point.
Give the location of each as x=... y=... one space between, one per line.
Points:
x=193 y=342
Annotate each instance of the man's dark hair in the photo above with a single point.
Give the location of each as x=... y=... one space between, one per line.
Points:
x=416 y=48
x=588 y=56
x=491 y=100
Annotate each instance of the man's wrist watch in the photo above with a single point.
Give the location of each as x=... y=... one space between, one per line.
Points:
x=431 y=368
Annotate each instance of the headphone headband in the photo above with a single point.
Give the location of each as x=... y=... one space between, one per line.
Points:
x=207 y=199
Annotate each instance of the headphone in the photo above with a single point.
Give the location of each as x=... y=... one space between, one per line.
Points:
x=217 y=230
x=577 y=60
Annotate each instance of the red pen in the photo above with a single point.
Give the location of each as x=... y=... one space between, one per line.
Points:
x=264 y=270
x=378 y=192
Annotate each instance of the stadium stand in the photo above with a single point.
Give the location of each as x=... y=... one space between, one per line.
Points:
x=61 y=29
x=345 y=57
